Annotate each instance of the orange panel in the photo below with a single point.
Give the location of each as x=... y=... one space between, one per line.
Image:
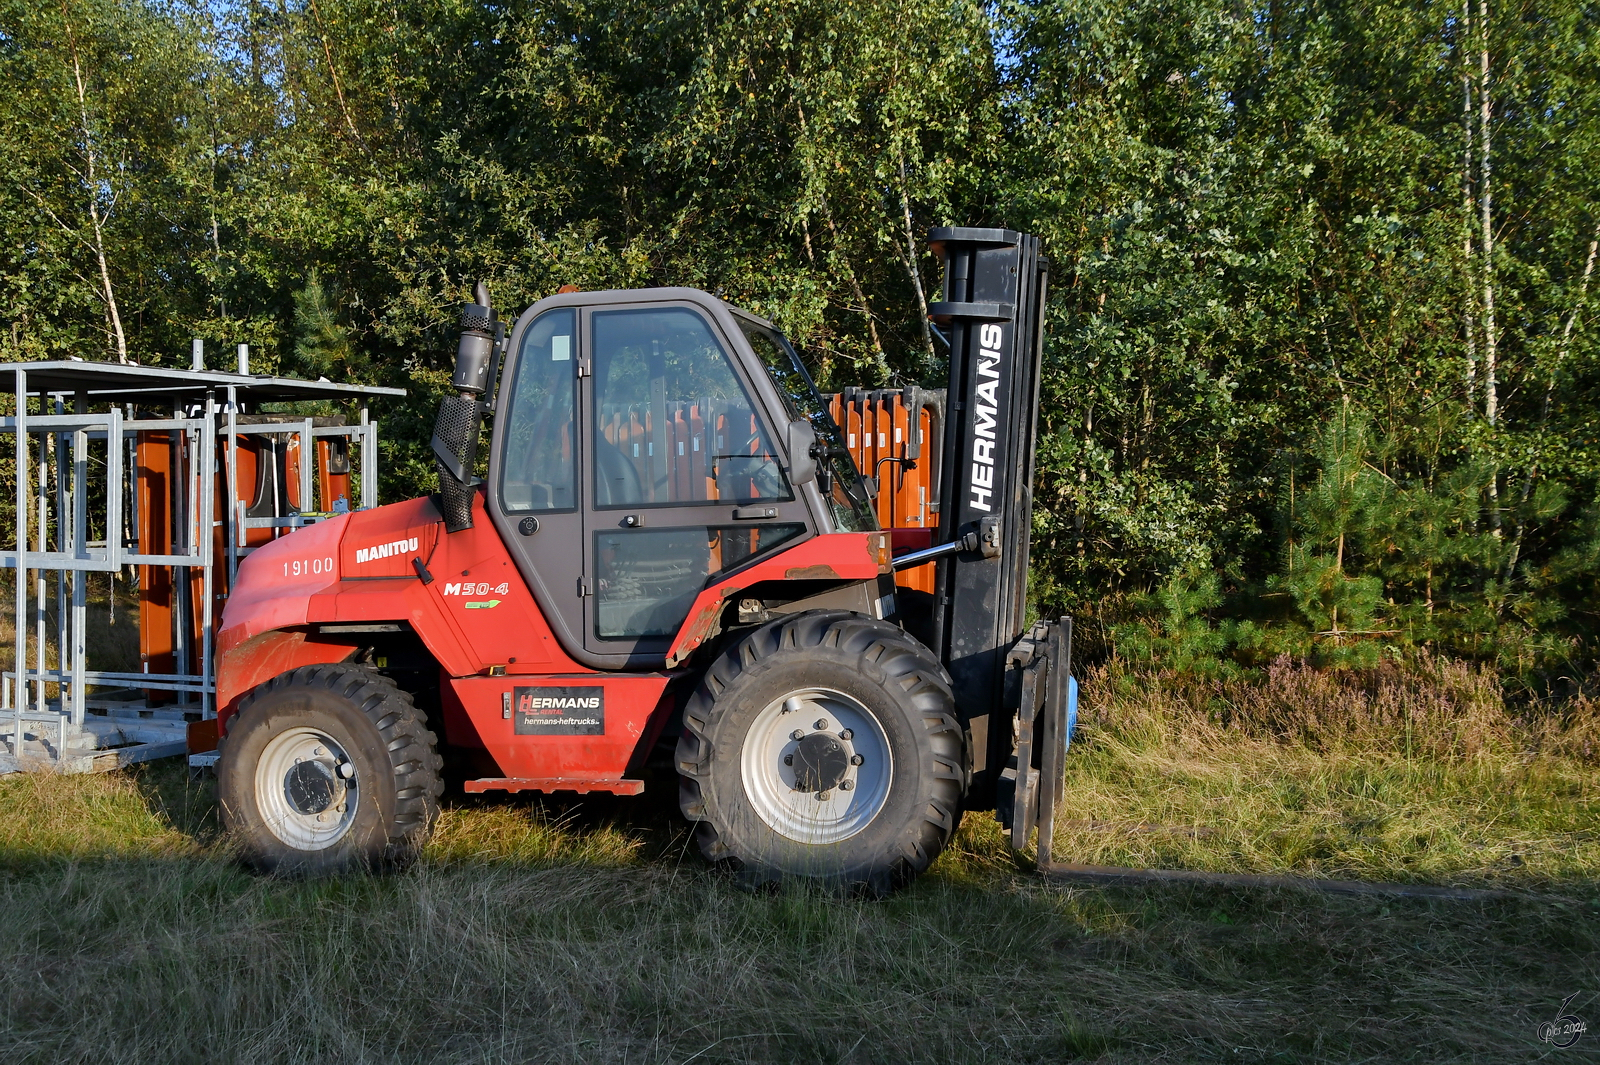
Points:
x=153 y=483
x=162 y=460
x=698 y=453
x=291 y=477
x=877 y=426
x=331 y=487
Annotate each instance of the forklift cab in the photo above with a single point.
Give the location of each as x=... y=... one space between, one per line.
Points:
x=638 y=445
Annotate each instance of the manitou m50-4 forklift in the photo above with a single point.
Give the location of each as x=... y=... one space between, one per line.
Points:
x=672 y=550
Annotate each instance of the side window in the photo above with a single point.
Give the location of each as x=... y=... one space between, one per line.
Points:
x=673 y=425
x=537 y=467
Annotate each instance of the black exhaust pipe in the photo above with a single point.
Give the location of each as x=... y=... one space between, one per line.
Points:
x=460 y=421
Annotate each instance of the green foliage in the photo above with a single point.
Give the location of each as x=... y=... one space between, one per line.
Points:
x=323 y=346
x=1179 y=630
x=1267 y=320
x=1333 y=517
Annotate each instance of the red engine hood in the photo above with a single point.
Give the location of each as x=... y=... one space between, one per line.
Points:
x=276 y=582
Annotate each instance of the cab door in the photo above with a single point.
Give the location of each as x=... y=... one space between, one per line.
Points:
x=685 y=481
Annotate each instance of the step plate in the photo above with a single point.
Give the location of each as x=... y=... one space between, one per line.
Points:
x=582 y=786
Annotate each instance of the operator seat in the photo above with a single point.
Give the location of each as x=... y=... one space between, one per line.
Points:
x=618 y=482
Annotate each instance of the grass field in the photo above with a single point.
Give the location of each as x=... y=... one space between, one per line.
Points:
x=539 y=931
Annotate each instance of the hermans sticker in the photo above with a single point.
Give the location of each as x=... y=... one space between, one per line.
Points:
x=985 y=418
x=560 y=711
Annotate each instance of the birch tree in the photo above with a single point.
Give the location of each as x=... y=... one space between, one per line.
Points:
x=100 y=185
x=92 y=132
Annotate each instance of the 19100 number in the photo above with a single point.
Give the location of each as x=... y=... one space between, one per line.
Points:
x=302 y=566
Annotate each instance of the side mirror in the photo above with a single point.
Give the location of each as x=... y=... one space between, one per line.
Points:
x=802 y=447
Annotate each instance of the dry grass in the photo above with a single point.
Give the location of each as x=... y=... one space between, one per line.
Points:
x=1429 y=708
x=548 y=932
x=1414 y=775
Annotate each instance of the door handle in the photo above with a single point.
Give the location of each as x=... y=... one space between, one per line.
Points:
x=754 y=513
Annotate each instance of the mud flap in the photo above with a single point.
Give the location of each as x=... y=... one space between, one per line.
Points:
x=1044 y=704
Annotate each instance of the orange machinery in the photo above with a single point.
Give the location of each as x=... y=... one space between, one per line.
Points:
x=270 y=497
x=893 y=435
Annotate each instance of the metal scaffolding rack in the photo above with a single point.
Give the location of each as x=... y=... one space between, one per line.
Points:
x=60 y=500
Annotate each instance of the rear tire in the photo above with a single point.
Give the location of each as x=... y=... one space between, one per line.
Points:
x=328 y=768
x=823 y=747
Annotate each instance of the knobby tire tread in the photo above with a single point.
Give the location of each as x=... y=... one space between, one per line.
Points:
x=890 y=652
x=411 y=745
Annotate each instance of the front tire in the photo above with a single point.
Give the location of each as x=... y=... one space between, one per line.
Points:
x=328 y=768
x=823 y=747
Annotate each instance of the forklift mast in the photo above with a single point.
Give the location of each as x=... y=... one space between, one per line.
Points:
x=993 y=314
x=1013 y=691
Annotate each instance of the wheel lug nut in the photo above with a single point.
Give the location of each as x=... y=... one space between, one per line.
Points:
x=847 y=785
x=847 y=734
x=821 y=723
x=319 y=752
x=824 y=796
x=798 y=734
x=788 y=759
x=856 y=759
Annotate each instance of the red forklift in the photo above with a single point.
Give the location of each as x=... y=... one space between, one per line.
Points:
x=672 y=550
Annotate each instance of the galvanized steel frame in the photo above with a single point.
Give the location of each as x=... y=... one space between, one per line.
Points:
x=76 y=556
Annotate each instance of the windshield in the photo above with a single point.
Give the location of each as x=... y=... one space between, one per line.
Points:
x=848 y=496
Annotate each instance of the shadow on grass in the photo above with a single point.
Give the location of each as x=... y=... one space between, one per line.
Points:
x=551 y=930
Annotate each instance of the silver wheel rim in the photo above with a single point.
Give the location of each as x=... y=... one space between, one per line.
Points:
x=306 y=789
x=775 y=786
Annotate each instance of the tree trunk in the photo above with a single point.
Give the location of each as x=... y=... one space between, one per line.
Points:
x=911 y=265
x=1550 y=388
x=1469 y=327
x=1083 y=476
x=91 y=190
x=855 y=285
x=850 y=273
x=1338 y=565
x=333 y=74
x=216 y=235
x=1566 y=330
x=1491 y=397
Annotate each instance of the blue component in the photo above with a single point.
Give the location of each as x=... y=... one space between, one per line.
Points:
x=1072 y=712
